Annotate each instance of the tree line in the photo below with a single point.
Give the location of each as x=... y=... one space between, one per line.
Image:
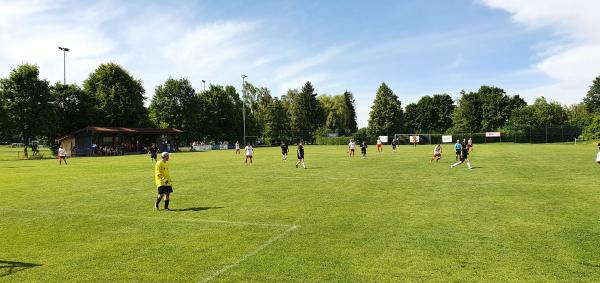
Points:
x=31 y=108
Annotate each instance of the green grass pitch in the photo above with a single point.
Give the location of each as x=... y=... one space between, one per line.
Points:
x=525 y=213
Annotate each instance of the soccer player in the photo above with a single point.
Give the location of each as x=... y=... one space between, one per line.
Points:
x=249 y=152
x=284 y=151
x=300 y=153
x=437 y=153
x=162 y=180
x=363 y=149
x=351 y=147
x=237 y=147
x=379 y=145
x=153 y=151
x=414 y=141
x=598 y=155
x=62 y=155
x=394 y=144
x=463 y=158
x=470 y=145
x=457 y=148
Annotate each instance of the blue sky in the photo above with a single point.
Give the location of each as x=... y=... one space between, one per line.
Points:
x=530 y=48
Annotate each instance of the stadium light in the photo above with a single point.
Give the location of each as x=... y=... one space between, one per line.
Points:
x=244 y=104
x=204 y=84
x=64 y=50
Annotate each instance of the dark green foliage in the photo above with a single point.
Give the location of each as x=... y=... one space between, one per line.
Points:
x=488 y=109
x=120 y=96
x=386 y=113
x=277 y=122
x=176 y=105
x=221 y=114
x=592 y=98
x=74 y=108
x=306 y=113
x=27 y=103
x=592 y=131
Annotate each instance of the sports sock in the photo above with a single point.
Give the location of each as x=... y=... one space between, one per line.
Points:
x=469 y=164
x=166 y=204
x=157 y=202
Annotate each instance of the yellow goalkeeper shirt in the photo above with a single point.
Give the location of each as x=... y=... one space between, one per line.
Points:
x=161 y=168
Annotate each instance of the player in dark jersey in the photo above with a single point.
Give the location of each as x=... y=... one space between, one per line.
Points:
x=464 y=157
x=394 y=144
x=300 y=153
x=153 y=150
x=363 y=149
x=284 y=151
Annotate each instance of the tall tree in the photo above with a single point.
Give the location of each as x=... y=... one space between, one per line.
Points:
x=350 y=124
x=386 y=113
x=467 y=116
x=411 y=113
x=257 y=101
x=74 y=107
x=175 y=104
x=120 y=96
x=221 y=114
x=277 y=122
x=494 y=107
x=307 y=114
x=579 y=116
x=548 y=113
x=444 y=106
x=27 y=102
x=592 y=98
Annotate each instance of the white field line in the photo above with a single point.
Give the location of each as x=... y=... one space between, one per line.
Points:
x=145 y=217
x=248 y=255
x=212 y=276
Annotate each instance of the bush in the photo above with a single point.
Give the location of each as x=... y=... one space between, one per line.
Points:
x=363 y=135
x=592 y=131
x=332 y=141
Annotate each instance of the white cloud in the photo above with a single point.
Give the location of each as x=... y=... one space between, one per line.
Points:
x=571 y=61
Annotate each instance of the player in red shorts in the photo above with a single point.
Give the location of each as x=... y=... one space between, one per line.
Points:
x=379 y=145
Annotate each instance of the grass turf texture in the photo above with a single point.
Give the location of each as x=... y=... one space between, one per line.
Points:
x=525 y=213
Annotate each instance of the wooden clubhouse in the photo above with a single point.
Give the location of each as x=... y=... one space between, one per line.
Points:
x=94 y=140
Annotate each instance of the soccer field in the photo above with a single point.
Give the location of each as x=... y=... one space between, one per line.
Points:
x=525 y=213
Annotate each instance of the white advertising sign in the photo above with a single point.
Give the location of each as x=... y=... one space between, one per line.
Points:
x=447 y=139
x=384 y=139
x=492 y=134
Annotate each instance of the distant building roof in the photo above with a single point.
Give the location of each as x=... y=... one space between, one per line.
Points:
x=124 y=130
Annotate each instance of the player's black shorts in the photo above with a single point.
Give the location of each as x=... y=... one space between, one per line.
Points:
x=284 y=153
x=300 y=156
x=153 y=156
x=165 y=189
x=458 y=151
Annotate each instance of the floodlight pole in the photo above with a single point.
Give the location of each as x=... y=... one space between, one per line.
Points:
x=204 y=84
x=244 y=104
x=64 y=50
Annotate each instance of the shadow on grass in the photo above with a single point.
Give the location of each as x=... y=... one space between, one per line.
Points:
x=11 y=267
x=196 y=208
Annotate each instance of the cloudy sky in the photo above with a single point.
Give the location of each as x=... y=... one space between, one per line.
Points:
x=530 y=48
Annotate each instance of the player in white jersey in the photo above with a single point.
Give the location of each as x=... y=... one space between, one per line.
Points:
x=237 y=147
x=351 y=147
x=437 y=153
x=249 y=153
x=379 y=145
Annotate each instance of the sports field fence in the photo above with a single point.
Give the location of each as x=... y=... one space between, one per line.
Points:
x=524 y=135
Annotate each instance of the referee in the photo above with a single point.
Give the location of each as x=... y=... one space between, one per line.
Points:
x=162 y=179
